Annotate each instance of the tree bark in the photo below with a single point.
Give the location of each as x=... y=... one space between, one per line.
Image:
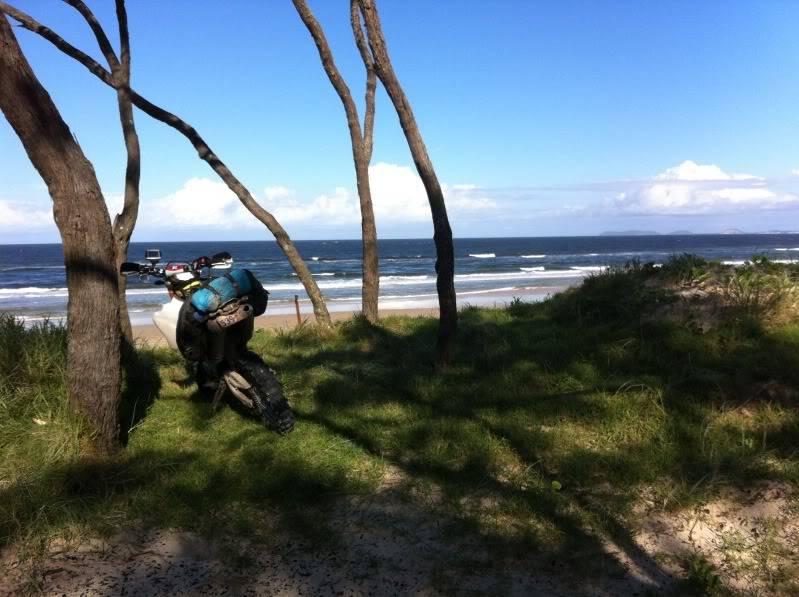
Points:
x=93 y=352
x=361 y=155
x=126 y=219
x=203 y=150
x=445 y=254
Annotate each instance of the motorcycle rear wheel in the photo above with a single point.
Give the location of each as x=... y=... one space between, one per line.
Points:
x=267 y=394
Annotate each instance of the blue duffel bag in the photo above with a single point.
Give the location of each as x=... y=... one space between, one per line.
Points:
x=234 y=284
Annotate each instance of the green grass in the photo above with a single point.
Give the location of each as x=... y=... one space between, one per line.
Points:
x=550 y=422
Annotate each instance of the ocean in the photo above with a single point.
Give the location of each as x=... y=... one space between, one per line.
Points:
x=488 y=271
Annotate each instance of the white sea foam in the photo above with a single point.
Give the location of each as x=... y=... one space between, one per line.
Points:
x=319 y=274
x=38 y=292
x=532 y=256
x=391 y=281
x=589 y=268
x=786 y=261
x=735 y=262
x=482 y=255
x=29 y=267
x=28 y=290
x=315 y=258
x=539 y=268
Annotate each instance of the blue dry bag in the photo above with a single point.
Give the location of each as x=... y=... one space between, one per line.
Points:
x=217 y=292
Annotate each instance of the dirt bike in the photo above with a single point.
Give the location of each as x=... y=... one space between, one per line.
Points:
x=215 y=344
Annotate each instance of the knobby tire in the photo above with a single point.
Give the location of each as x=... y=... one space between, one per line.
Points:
x=267 y=394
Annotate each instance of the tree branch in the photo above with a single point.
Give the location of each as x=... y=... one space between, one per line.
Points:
x=371 y=78
x=124 y=37
x=99 y=33
x=205 y=153
x=330 y=67
x=124 y=222
x=31 y=24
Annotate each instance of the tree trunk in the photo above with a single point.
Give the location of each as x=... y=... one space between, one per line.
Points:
x=445 y=254
x=93 y=357
x=126 y=219
x=202 y=148
x=361 y=155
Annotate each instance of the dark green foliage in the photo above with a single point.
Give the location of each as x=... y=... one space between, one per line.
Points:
x=686 y=268
x=619 y=294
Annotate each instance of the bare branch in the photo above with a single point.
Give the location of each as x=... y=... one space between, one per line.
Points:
x=330 y=66
x=445 y=255
x=371 y=78
x=31 y=24
x=205 y=153
x=99 y=33
x=124 y=37
x=360 y=156
x=125 y=221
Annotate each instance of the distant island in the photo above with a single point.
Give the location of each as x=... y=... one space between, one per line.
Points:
x=688 y=232
x=629 y=233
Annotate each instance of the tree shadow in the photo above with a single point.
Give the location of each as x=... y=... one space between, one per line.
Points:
x=142 y=384
x=475 y=446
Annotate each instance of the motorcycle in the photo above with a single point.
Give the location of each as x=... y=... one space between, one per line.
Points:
x=215 y=344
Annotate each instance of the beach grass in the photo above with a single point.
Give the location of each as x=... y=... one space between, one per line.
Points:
x=548 y=427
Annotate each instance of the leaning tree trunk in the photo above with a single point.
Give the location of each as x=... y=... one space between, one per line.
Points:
x=361 y=150
x=203 y=151
x=445 y=254
x=93 y=358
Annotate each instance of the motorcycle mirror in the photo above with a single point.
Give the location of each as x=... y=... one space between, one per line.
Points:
x=129 y=267
x=223 y=260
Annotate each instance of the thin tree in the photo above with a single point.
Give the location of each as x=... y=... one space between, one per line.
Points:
x=125 y=221
x=442 y=233
x=93 y=357
x=361 y=145
x=203 y=150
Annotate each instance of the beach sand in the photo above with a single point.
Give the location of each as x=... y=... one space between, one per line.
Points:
x=149 y=335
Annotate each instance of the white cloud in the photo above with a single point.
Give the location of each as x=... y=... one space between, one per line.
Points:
x=398 y=196
x=795 y=172
x=277 y=192
x=694 y=189
x=337 y=208
x=114 y=202
x=200 y=202
x=18 y=217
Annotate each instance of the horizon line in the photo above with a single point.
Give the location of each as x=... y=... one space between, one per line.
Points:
x=609 y=234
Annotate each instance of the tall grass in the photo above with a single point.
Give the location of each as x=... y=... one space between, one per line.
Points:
x=549 y=424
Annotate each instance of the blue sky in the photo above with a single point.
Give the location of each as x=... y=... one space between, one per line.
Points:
x=542 y=118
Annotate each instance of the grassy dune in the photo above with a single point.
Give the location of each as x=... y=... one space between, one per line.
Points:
x=555 y=419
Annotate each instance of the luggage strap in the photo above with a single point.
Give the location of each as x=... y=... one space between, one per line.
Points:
x=233 y=282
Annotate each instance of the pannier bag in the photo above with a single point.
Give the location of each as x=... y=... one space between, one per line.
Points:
x=236 y=284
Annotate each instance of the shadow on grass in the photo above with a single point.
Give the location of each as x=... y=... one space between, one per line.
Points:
x=141 y=387
x=537 y=440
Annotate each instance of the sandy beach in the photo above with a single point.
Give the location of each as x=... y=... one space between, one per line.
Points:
x=149 y=335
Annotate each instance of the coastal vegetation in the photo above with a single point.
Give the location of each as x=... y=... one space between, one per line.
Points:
x=561 y=429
